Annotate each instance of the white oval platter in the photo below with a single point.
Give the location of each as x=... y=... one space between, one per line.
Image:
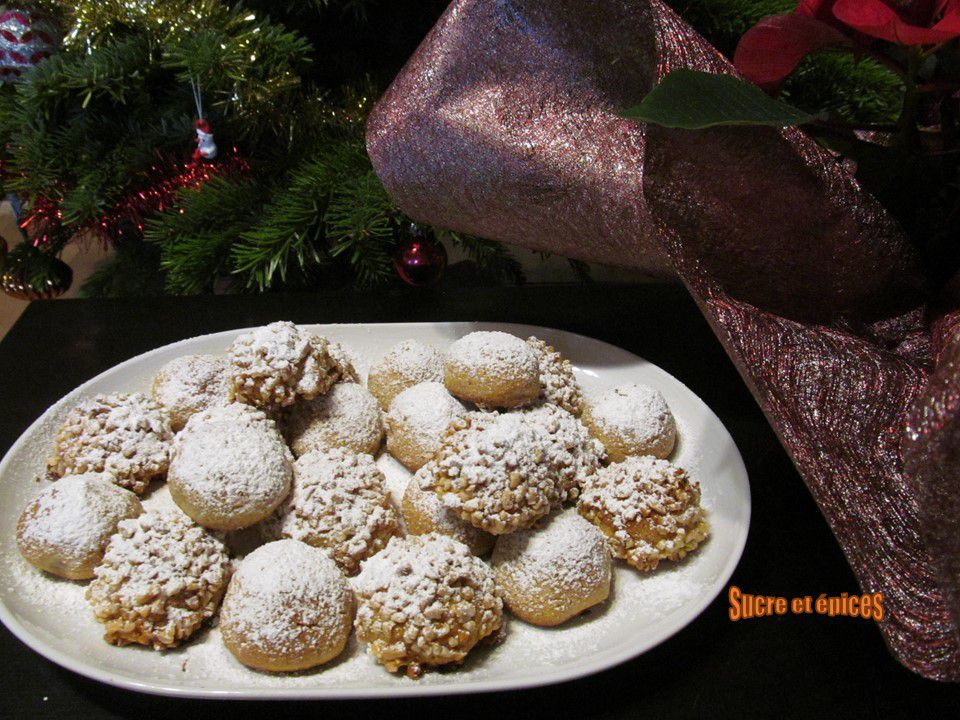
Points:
x=51 y=615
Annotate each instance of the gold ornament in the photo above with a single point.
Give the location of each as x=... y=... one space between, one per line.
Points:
x=36 y=276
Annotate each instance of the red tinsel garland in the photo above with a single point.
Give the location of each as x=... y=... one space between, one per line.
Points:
x=158 y=192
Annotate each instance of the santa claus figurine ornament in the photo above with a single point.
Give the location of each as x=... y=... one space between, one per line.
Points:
x=206 y=147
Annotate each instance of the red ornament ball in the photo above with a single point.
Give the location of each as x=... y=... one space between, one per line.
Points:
x=26 y=38
x=421 y=258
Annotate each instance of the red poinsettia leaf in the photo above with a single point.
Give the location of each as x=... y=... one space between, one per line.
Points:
x=771 y=49
x=879 y=20
x=822 y=10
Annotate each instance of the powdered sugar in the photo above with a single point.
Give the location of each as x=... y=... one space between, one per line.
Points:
x=492 y=353
x=192 y=383
x=278 y=363
x=559 y=385
x=491 y=471
x=68 y=525
x=554 y=567
x=346 y=416
x=413 y=360
x=570 y=449
x=425 y=600
x=636 y=413
x=126 y=435
x=649 y=509
x=423 y=513
x=231 y=463
x=161 y=576
x=565 y=551
x=406 y=364
x=421 y=415
x=287 y=600
x=343 y=362
x=338 y=503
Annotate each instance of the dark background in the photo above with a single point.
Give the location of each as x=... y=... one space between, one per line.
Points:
x=357 y=40
x=784 y=667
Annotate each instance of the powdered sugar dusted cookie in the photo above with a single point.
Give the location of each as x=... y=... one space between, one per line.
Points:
x=161 y=576
x=423 y=513
x=570 y=449
x=417 y=422
x=558 y=384
x=492 y=369
x=425 y=601
x=649 y=509
x=277 y=364
x=347 y=416
x=230 y=467
x=126 y=435
x=339 y=503
x=554 y=571
x=494 y=471
x=65 y=529
x=406 y=364
x=288 y=607
x=631 y=420
x=192 y=383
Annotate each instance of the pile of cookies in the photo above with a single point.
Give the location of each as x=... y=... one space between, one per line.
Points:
x=509 y=461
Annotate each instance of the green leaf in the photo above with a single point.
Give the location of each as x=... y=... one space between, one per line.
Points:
x=694 y=100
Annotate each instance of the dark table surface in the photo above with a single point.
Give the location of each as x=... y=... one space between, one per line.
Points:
x=789 y=666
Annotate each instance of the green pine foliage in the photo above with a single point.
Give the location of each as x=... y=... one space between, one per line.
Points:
x=291 y=234
x=195 y=244
x=723 y=22
x=841 y=86
x=103 y=118
x=86 y=124
x=287 y=235
x=360 y=227
x=845 y=88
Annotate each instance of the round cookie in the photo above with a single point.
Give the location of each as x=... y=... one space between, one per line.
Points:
x=558 y=384
x=338 y=503
x=493 y=370
x=406 y=364
x=551 y=573
x=425 y=601
x=648 y=508
x=277 y=364
x=571 y=450
x=423 y=513
x=288 y=607
x=189 y=384
x=230 y=467
x=631 y=420
x=493 y=471
x=418 y=421
x=65 y=529
x=347 y=415
x=126 y=435
x=161 y=576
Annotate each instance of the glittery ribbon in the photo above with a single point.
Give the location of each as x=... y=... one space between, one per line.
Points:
x=504 y=124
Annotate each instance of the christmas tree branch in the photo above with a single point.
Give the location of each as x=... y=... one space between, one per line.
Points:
x=195 y=238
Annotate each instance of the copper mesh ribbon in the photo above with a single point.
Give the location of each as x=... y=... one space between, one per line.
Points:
x=503 y=124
